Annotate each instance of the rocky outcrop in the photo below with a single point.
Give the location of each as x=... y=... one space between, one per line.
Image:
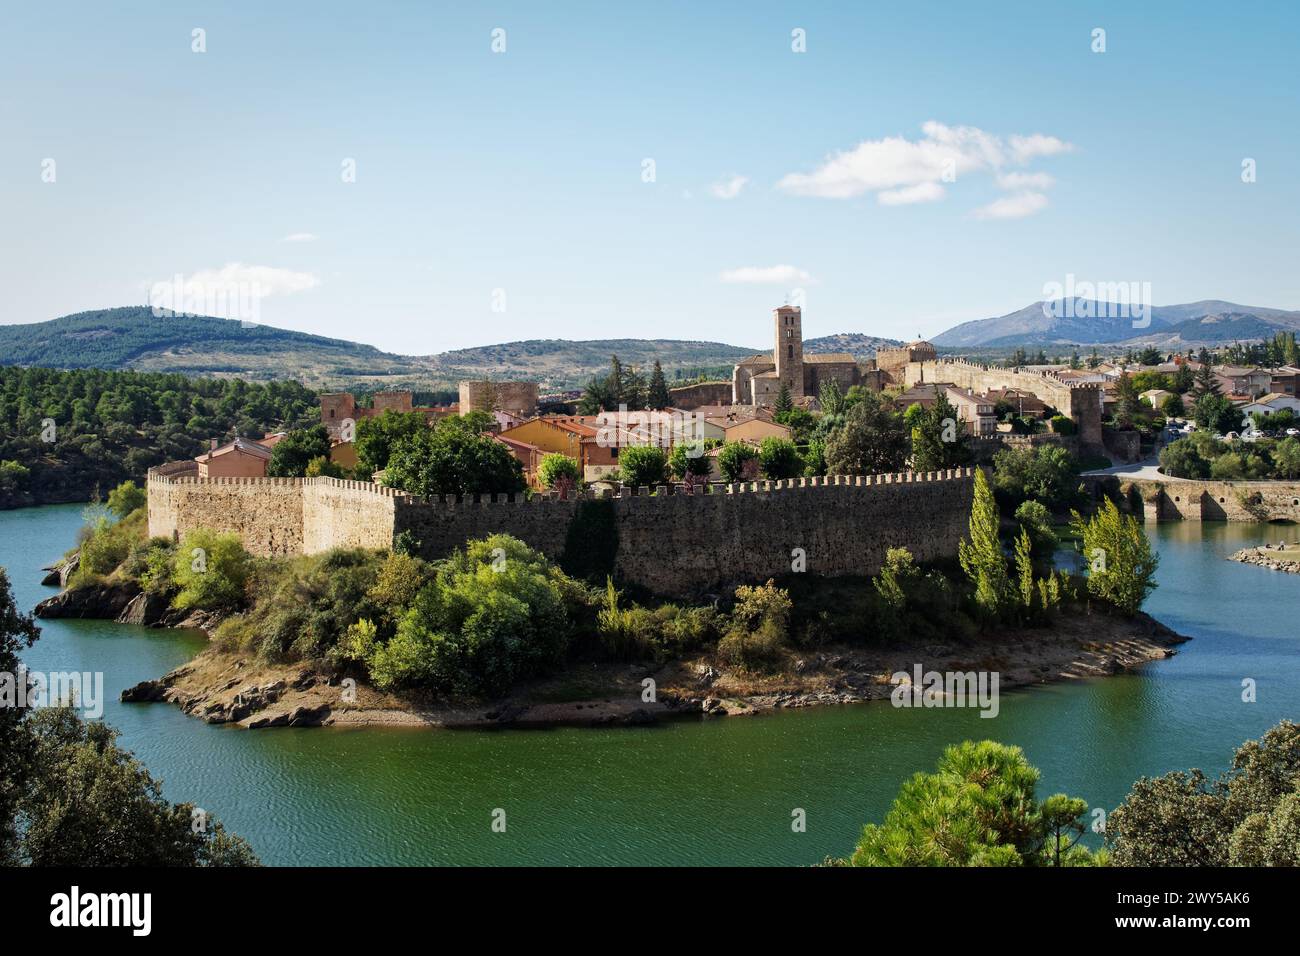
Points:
x=146 y=608
x=61 y=571
x=1268 y=556
x=92 y=600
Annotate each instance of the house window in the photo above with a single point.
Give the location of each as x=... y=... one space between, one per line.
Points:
x=791 y=352
x=331 y=413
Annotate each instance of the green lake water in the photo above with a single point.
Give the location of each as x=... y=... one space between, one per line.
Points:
x=708 y=792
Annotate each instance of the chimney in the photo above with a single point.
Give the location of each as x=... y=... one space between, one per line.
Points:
x=212 y=444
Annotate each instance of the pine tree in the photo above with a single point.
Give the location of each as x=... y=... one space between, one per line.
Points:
x=784 y=402
x=658 y=397
x=1206 y=383
x=982 y=558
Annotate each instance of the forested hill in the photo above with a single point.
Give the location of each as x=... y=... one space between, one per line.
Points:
x=66 y=434
x=134 y=338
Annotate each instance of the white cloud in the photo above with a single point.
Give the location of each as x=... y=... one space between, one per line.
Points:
x=902 y=171
x=1025 y=148
x=774 y=275
x=1038 y=181
x=729 y=188
x=268 y=280
x=300 y=237
x=1017 y=206
x=921 y=192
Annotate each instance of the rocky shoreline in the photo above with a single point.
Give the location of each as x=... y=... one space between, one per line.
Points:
x=225 y=688
x=1267 y=556
x=233 y=688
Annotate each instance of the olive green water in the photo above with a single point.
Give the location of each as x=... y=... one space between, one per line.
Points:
x=708 y=792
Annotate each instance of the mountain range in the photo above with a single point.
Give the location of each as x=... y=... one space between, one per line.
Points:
x=1085 y=322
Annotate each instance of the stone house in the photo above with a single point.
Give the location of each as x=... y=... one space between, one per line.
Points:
x=241 y=458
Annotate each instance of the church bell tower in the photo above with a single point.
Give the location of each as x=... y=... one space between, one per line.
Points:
x=788 y=354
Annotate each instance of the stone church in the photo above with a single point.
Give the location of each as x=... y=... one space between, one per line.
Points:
x=758 y=379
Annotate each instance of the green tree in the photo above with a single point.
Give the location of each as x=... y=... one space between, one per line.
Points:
x=92 y=804
x=658 y=396
x=978 y=809
x=555 y=468
x=734 y=458
x=1180 y=459
x=1249 y=816
x=1286 y=457
x=642 y=466
x=870 y=441
x=778 y=458
x=784 y=403
x=939 y=439
x=17 y=633
x=1205 y=381
x=688 y=458
x=1122 y=564
x=126 y=498
x=1128 y=404
x=291 y=454
x=1214 y=413
x=376 y=436
x=452 y=459
x=1172 y=406
x=981 y=557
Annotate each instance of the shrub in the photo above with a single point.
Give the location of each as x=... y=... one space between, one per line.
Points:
x=1062 y=425
x=495 y=613
x=302 y=606
x=663 y=633
x=322 y=467
x=212 y=571
x=108 y=544
x=758 y=631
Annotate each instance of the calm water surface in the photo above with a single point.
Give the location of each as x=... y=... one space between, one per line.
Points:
x=708 y=792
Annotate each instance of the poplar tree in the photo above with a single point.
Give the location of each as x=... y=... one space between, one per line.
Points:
x=981 y=557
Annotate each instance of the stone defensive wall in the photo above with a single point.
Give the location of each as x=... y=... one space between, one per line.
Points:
x=1081 y=402
x=1186 y=500
x=674 y=544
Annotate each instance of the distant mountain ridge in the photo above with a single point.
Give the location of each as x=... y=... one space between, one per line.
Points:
x=1087 y=322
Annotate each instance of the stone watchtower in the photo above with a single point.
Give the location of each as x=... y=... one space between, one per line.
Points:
x=788 y=354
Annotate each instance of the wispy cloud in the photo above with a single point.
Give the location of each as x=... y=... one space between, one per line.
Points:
x=300 y=237
x=729 y=188
x=767 y=275
x=921 y=192
x=266 y=280
x=1025 y=181
x=902 y=171
x=1017 y=206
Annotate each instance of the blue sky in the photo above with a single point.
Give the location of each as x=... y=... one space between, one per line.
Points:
x=522 y=171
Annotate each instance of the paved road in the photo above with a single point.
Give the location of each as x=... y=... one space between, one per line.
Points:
x=1147 y=468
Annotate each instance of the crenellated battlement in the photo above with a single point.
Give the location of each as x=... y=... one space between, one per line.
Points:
x=669 y=540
